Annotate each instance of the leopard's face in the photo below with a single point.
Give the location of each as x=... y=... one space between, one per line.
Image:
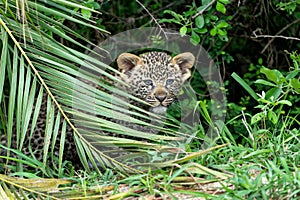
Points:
x=155 y=77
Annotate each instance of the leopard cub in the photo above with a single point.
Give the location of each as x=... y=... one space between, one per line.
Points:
x=155 y=77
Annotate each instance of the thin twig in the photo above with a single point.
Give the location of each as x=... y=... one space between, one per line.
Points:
x=153 y=18
x=202 y=11
x=278 y=34
x=275 y=36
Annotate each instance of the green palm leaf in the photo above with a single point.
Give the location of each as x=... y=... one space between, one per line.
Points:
x=43 y=76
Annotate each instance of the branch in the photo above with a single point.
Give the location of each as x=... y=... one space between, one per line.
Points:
x=153 y=18
x=202 y=11
x=277 y=34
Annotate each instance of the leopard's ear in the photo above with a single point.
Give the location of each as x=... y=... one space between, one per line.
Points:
x=127 y=61
x=185 y=62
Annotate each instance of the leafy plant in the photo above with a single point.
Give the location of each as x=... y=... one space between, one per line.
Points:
x=206 y=24
x=279 y=93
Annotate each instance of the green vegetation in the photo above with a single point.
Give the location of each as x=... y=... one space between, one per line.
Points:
x=44 y=45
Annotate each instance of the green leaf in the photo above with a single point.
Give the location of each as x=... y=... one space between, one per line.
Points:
x=272 y=75
x=222 y=32
x=194 y=39
x=225 y=1
x=222 y=24
x=205 y=2
x=292 y=74
x=3 y=60
x=244 y=85
x=183 y=31
x=285 y=102
x=274 y=92
x=170 y=21
x=199 y=21
x=86 y=13
x=272 y=117
x=295 y=83
x=178 y=17
x=223 y=38
x=221 y=7
x=264 y=82
x=213 y=32
x=201 y=31
x=257 y=117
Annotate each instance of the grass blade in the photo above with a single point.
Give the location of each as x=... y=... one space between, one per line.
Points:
x=245 y=85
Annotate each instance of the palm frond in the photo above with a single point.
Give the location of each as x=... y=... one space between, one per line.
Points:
x=43 y=76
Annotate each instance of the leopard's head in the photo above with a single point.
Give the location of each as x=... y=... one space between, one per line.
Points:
x=155 y=77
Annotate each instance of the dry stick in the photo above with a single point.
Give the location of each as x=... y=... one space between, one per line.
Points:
x=54 y=100
x=153 y=18
x=245 y=124
x=202 y=11
x=277 y=34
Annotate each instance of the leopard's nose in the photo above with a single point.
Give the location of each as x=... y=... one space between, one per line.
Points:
x=160 y=98
x=160 y=94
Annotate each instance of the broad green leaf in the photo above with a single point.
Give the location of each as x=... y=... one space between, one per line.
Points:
x=222 y=32
x=285 y=102
x=264 y=82
x=213 y=32
x=257 y=117
x=273 y=94
x=199 y=21
x=222 y=24
x=292 y=74
x=214 y=18
x=221 y=7
x=195 y=38
x=86 y=13
x=295 y=83
x=183 y=31
x=223 y=37
x=272 y=116
x=202 y=31
x=272 y=75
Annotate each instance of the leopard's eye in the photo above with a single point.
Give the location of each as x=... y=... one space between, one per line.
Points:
x=169 y=81
x=148 y=82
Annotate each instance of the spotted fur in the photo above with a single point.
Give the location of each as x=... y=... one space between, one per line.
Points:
x=155 y=77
